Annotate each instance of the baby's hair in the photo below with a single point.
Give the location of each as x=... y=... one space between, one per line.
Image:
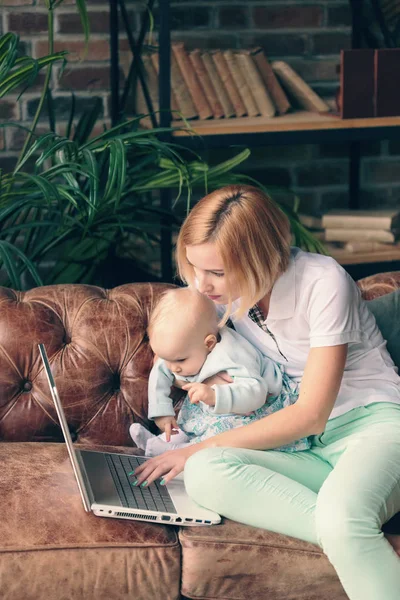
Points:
x=184 y=306
x=251 y=234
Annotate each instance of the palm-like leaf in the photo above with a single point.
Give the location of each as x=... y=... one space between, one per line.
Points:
x=85 y=196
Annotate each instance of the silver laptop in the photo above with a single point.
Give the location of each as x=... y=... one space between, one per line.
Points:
x=105 y=482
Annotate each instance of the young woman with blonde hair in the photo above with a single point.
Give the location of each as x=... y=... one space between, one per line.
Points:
x=304 y=311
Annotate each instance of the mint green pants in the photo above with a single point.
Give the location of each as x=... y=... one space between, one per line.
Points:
x=337 y=494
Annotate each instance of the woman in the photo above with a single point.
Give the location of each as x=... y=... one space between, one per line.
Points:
x=304 y=311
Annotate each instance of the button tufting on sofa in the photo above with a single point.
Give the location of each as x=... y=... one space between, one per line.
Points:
x=50 y=549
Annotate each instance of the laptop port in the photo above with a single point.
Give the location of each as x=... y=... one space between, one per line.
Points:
x=208 y=522
x=178 y=520
x=165 y=518
x=188 y=520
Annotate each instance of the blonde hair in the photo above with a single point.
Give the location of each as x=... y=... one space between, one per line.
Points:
x=251 y=234
x=186 y=307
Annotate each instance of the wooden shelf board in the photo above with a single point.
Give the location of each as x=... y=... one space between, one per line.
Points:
x=355 y=258
x=296 y=121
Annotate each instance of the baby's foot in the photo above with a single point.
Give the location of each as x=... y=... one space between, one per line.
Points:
x=140 y=435
x=157 y=446
x=394 y=541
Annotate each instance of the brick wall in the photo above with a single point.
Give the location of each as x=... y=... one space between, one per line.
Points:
x=308 y=35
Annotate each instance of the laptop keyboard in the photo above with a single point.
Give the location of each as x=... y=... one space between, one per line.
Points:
x=155 y=497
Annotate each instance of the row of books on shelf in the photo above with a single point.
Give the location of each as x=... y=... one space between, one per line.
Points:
x=356 y=230
x=215 y=84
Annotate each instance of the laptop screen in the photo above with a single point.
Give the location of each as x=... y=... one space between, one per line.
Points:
x=64 y=427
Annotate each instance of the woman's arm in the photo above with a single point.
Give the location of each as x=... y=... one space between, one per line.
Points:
x=308 y=416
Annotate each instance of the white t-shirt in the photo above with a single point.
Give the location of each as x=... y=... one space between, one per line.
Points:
x=315 y=303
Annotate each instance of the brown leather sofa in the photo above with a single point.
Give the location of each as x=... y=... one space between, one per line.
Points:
x=50 y=549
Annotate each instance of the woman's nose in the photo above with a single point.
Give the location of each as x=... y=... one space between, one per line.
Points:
x=204 y=284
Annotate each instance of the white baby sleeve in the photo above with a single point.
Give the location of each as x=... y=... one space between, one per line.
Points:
x=160 y=381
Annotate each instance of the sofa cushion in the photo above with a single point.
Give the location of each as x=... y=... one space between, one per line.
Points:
x=239 y=562
x=50 y=549
x=386 y=310
x=379 y=284
x=98 y=349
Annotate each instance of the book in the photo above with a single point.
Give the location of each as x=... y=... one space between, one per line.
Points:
x=370 y=219
x=228 y=82
x=271 y=82
x=183 y=96
x=356 y=91
x=365 y=246
x=250 y=72
x=206 y=83
x=174 y=103
x=222 y=95
x=241 y=84
x=366 y=235
x=151 y=78
x=192 y=83
x=310 y=221
x=298 y=88
x=387 y=72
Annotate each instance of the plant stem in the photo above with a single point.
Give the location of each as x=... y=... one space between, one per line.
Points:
x=50 y=37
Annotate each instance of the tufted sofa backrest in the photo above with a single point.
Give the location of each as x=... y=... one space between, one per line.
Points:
x=97 y=345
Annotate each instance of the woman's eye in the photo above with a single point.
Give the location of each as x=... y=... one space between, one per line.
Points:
x=218 y=274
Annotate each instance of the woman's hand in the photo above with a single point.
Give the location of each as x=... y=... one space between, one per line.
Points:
x=169 y=464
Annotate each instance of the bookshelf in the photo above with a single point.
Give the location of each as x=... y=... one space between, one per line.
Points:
x=296 y=123
x=293 y=128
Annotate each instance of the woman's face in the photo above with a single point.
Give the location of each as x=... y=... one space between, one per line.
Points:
x=209 y=271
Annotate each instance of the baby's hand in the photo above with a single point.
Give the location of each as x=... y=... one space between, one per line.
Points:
x=200 y=391
x=168 y=425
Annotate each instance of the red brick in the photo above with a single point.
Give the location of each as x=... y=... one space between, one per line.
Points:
x=97 y=49
x=322 y=173
x=382 y=172
x=341 y=150
x=233 y=18
x=87 y=78
x=339 y=15
x=287 y=16
x=1 y=139
x=99 y=22
x=281 y=154
x=9 y=109
x=16 y=2
x=7 y=163
x=275 y=44
x=208 y=40
x=27 y=23
x=16 y=137
x=315 y=70
x=331 y=43
x=394 y=147
x=270 y=175
x=188 y=18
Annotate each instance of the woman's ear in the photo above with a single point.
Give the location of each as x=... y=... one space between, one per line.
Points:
x=210 y=341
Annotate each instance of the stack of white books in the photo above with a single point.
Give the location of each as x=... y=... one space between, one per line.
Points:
x=362 y=230
x=356 y=230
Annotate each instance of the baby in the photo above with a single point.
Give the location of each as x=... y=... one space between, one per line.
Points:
x=184 y=334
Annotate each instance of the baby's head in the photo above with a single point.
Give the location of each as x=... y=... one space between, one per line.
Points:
x=183 y=329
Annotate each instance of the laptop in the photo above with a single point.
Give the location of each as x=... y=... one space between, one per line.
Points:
x=105 y=482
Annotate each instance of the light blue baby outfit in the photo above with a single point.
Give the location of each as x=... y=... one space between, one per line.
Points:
x=239 y=403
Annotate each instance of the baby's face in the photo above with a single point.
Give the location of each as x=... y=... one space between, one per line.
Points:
x=185 y=360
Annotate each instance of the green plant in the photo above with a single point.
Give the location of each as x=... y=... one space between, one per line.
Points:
x=71 y=200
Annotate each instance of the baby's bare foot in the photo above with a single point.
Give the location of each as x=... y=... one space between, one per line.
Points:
x=394 y=540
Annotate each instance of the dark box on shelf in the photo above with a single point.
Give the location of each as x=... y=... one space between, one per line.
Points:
x=357 y=84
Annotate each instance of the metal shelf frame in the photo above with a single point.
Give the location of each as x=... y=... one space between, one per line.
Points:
x=354 y=136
